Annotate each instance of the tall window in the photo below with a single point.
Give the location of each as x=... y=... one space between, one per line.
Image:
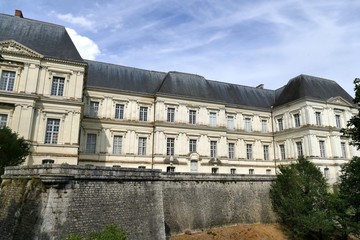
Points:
x=213 y=149
x=233 y=171
x=193 y=166
x=192 y=117
x=142 y=146
x=251 y=171
x=264 y=126
x=171 y=114
x=230 y=122
x=7 y=80
x=117 y=144
x=91 y=143
x=280 y=124
x=52 y=131
x=299 y=149
x=266 y=152
x=57 y=87
x=282 y=151
x=119 y=111
x=192 y=145
x=212 y=118
x=249 y=152
x=318 y=118
x=248 y=124
x=143 y=113
x=338 y=121
x=322 y=148
x=3 y=120
x=94 y=108
x=343 y=150
x=297 y=120
x=170 y=146
x=231 y=150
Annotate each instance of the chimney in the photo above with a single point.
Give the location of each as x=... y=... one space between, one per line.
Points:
x=18 y=13
x=261 y=86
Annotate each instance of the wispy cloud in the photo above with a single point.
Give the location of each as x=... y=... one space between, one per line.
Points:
x=80 y=21
x=87 y=48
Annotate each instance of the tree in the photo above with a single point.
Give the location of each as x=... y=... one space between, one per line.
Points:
x=13 y=149
x=300 y=198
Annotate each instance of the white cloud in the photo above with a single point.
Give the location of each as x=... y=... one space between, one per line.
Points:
x=87 y=48
x=80 y=21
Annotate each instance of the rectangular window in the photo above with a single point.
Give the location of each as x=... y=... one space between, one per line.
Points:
x=232 y=171
x=268 y=171
x=264 y=126
x=52 y=131
x=326 y=172
x=192 y=117
x=7 y=80
x=299 y=149
x=214 y=170
x=213 y=149
x=142 y=146
x=143 y=114
x=212 y=118
x=119 y=111
x=192 y=145
x=170 y=146
x=251 y=171
x=266 y=152
x=171 y=114
x=282 y=151
x=193 y=166
x=3 y=120
x=248 y=124
x=94 y=108
x=318 y=118
x=117 y=144
x=322 y=149
x=249 y=153
x=297 y=120
x=91 y=143
x=343 y=150
x=280 y=124
x=230 y=122
x=338 y=121
x=57 y=87
x=170 y=169
x=231 y=150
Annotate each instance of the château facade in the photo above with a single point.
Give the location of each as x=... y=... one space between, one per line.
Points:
x=79 y=111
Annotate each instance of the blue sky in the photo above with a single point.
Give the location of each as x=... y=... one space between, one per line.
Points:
x=238 y=41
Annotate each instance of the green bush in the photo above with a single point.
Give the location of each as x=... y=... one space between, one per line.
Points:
x=110 y=232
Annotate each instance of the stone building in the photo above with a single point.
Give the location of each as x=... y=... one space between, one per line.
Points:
x=173 y=121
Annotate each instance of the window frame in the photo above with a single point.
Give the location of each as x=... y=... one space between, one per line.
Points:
x=297 y=120
x=192 y=145
x=91 y=140
x=57 y=87
x=212 y=119
x=247 y=124
x=7 y=83
x=3 y=120
x=280 y=124
x=318 y=118
x=119 y=111
x=230 y=122
x=192 y=116
x=282 y=151
x=170 y=115
x=299 y=149
x=142 y=141
x=338 y=121
x=94 y=108
x=143 y=114
x=170 y=146
x=249 y=151
x=213 y=149
x=266 y=152
x=52 y=131
x=231 y=148
x=117 y=144
x=322 y=149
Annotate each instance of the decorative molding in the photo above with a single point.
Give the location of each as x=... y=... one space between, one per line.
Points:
x=13 y=47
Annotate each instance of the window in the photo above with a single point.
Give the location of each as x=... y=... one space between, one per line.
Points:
x=192 y=145
x=94 y=109
x=47 y=161
x=143 y=113
x=268 y=171
x=232 y=171
x=266 y=152
x=57 y=87
x=141 y=167
x=280 y=124
x=213 y=145
x=192 y=117
x=52 y=131
x=214 y=170
x=117 y=144
x=119 y=111
x=91 y=143
x=7 y=80
x=338 y=121
x=264 y=125
x=248 y=124
x=170 y=146
x=282 y=151
x=212 y=118
x=142 y=146
x=318 y=118
x=230 y=122
x=297 y=120
x=251 y=171
x=299 y=149
x=231 y=150
x=249 y=153
x=171 y=114
x=193 y=166
x=343 y=150
x=322 y=148
x=3 y=120
x=326 y=172
x=170 y=169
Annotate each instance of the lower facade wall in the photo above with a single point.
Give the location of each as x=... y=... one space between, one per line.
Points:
x=50 y=202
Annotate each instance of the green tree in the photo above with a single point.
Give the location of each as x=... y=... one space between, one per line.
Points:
x=13 y=149
x=300 y=198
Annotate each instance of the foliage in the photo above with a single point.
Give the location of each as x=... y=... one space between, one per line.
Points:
x=300 y=198
x=110 y=232
x=13 y=149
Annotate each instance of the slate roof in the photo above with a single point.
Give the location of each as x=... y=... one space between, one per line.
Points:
x=47 y=39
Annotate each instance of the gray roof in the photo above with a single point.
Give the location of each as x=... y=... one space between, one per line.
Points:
x=47 y=39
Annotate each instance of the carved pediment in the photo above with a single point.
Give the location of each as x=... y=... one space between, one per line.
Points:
x=13 y=47
x=339 y=100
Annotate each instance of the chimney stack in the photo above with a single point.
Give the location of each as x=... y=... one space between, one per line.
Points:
x=18 y=13
x=260 y=86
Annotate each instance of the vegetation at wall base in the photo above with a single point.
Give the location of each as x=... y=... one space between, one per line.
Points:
x=110 y=232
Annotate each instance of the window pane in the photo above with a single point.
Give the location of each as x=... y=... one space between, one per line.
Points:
x=249 y=155
x=231 y=150
x=192 y=145
x=171 y=114
x=52 y=131
x=57 y=88
x=7 y=80
x=94 y=109
x=248 y=127
x=192 y=117
x=299 y=149
x=282 y=152
x=143 y=113
x=230 y=122
x=91 y=143
x=119 y=111
x=170 y=147
x=297 y=120
x=322 y=148
x=212 y=119
x=213 y=149
x=280 y=124
x=266 y=152
x=3 y=120
x=142 y=146
x=117 y=145
x=264 y=126
x=318 y=118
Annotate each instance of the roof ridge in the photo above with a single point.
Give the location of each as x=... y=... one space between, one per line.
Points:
x=33 y=20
